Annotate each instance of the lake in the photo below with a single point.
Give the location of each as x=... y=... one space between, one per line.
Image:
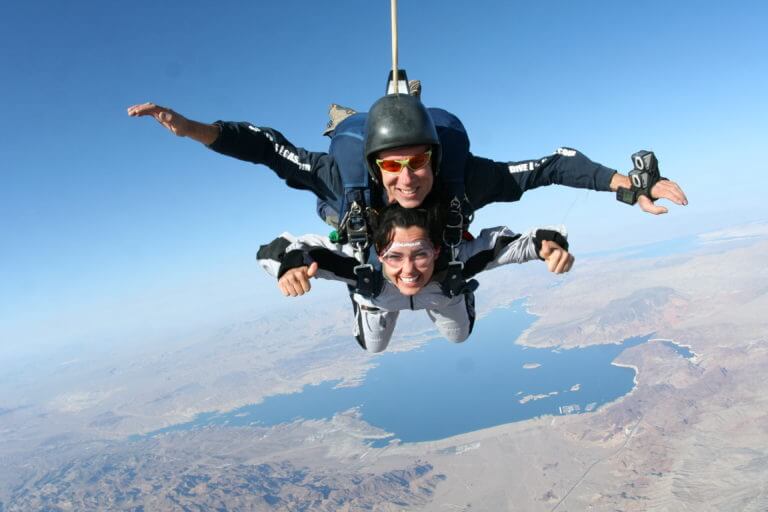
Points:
x=443 y=389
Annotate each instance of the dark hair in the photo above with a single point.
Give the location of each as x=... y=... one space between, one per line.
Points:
x=430 y=216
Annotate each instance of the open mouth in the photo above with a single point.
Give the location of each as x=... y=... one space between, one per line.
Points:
x=408 y=192
x=410 y=280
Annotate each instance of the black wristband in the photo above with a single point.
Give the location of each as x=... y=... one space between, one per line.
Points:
x=551 y=236
x=291 y=260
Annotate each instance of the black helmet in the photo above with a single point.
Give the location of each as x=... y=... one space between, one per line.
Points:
x=395 y=121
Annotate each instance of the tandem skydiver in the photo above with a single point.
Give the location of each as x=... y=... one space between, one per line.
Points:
x=484 y=181
x=399 y=128
x=408 y=242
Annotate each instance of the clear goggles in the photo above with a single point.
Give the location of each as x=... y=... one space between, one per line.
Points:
x=420 y=252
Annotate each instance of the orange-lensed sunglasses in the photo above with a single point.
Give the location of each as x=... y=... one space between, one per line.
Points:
x=415 y=163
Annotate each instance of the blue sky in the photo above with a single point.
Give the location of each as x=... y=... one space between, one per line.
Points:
x=111 y=228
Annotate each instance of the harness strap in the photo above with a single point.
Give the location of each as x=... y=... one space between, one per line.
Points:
x=354 y=228
x=453 y=234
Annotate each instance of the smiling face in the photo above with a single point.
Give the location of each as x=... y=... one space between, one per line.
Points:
x=409 y=187
x=408 y=261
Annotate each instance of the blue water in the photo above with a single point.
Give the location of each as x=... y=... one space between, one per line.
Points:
x=444 y=389
x=683 y=351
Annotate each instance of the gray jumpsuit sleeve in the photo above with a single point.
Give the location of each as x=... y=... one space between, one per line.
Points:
x=492 y=248
x=375 y=319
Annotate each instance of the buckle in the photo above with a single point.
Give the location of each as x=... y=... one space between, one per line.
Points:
x=364 y=274
x=356 y=227
x=363 y=269
x=454 y=225
x=454 y=281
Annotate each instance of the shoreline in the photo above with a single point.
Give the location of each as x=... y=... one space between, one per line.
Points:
x=695 y=355
x=426 y=338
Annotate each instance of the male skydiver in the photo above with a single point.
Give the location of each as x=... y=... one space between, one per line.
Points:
x=486 y=181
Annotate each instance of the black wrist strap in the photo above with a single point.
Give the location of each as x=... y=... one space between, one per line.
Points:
x=550 y=235
x=291 y=260
x=630 y=195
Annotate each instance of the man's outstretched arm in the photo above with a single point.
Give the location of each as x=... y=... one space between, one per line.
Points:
x=177 y=123
x=488 y=181
x=299 y=168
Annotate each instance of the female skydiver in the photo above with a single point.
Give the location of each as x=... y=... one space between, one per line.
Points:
x=407 y=241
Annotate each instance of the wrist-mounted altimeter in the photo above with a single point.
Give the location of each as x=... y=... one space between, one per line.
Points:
x=643 y=176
